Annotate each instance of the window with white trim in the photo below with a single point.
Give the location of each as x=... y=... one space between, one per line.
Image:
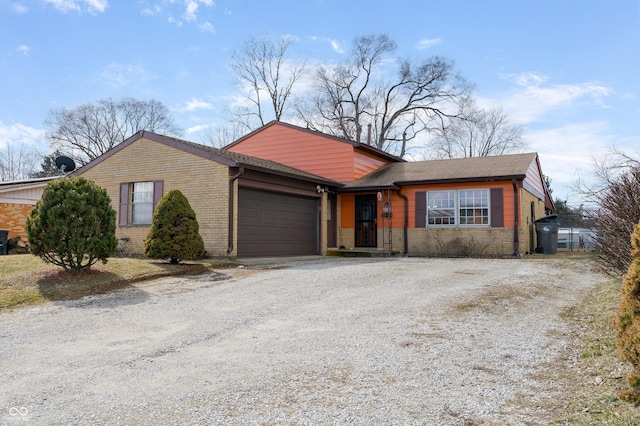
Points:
x=441 y=207
x=141 y=203
x=467 y=207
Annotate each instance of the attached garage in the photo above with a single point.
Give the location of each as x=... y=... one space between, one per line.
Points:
x=277 y=224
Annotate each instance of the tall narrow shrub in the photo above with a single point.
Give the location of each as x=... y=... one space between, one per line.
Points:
x=174 y=232
x=73 y=225
x=627 y=321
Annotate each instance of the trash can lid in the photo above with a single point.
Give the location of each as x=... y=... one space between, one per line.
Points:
x=549 y=218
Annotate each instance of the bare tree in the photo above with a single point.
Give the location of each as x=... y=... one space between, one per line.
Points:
x=618 y=199
x=266 y=76
x=90 y=130
x=480 y=133
x=219 y=137
x=354 y=95
x=17 y=164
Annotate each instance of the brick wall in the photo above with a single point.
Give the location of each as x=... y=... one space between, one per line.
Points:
x=13 y=218
x=466 y=241
x=205 y=183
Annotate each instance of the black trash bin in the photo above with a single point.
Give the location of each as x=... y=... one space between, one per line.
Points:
x=3 y=241
x=547 y=233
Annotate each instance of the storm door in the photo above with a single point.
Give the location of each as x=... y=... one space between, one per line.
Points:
x=366 y=229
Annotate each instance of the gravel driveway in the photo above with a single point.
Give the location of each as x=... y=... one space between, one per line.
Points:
x=328 y=341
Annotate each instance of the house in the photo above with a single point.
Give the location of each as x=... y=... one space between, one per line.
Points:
x=17 y=199
x=245 y=206
x=284 y=190
x=473 y=206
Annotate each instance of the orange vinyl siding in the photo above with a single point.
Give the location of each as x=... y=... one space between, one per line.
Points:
x=364 y=163
x=397 y=209
x=303 y=150
x=507 y=194
x=347 y=208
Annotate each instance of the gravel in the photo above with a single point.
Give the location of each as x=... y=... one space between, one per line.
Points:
x=323 y=341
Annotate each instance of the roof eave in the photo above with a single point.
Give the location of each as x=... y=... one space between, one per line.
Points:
x=460 y=180
x=368 y=188
x=314 y=179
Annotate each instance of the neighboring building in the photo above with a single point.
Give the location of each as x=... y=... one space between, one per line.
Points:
x=285 y=190
x=17 y=199
x=576 y=238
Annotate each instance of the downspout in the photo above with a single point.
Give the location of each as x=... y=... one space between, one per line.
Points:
x=232 y=197
x=516 y=241
x=406 y=221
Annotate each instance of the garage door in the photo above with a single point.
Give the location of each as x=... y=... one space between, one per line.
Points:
x=276 y=224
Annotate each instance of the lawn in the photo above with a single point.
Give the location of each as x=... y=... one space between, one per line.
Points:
x=27 y=280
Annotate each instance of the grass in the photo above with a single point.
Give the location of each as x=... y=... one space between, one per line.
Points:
x=600 y=375
x=26 y=280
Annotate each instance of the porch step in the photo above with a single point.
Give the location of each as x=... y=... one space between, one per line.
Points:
x=362 y=253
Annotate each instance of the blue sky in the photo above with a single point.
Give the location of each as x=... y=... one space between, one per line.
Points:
x=569 y=70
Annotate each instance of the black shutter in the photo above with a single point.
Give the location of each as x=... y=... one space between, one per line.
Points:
x=497 y=210
x=123 y=220
x=157 y=192
x=421 y=209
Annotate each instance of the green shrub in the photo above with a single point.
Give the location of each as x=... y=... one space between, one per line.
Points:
x=174 y=230
x=627 y=321
x=73 y=225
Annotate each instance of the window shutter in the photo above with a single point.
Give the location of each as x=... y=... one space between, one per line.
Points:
x=157 y=192
x=497 y=210
x=124 y=205
x=421 y=209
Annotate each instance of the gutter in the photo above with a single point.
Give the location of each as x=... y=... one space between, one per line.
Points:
x=406 y=221
x=232 y=182
x=516 y=241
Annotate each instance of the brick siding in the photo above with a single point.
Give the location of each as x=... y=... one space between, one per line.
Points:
x=13 y=218
x=205 y=183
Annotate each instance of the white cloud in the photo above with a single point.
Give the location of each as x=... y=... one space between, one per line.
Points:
x=24 y=49
x=91 y=6
x=207 y=27
x=17 y=135
x=568 y=152
x=20 y=8
x=194 y=104
x=533 y=97
x=426 y=43
x=181 y=11
x=118 y=75
x=336 y=46
x=198 y=128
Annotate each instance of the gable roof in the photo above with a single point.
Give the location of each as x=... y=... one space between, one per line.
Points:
x=446 y=171
x=362 y=146
x=228 y=158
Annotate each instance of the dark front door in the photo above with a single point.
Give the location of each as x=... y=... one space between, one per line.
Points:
x=366 y=230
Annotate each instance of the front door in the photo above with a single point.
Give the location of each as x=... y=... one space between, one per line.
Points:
x=366 y=229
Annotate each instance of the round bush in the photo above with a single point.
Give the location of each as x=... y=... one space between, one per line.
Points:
x=73 y=225
x=174 y=232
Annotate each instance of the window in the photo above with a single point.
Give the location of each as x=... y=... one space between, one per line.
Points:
x=138 y=201
x=467 y=207
x=141 y=203
x=441 y=207
x=474 y=207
